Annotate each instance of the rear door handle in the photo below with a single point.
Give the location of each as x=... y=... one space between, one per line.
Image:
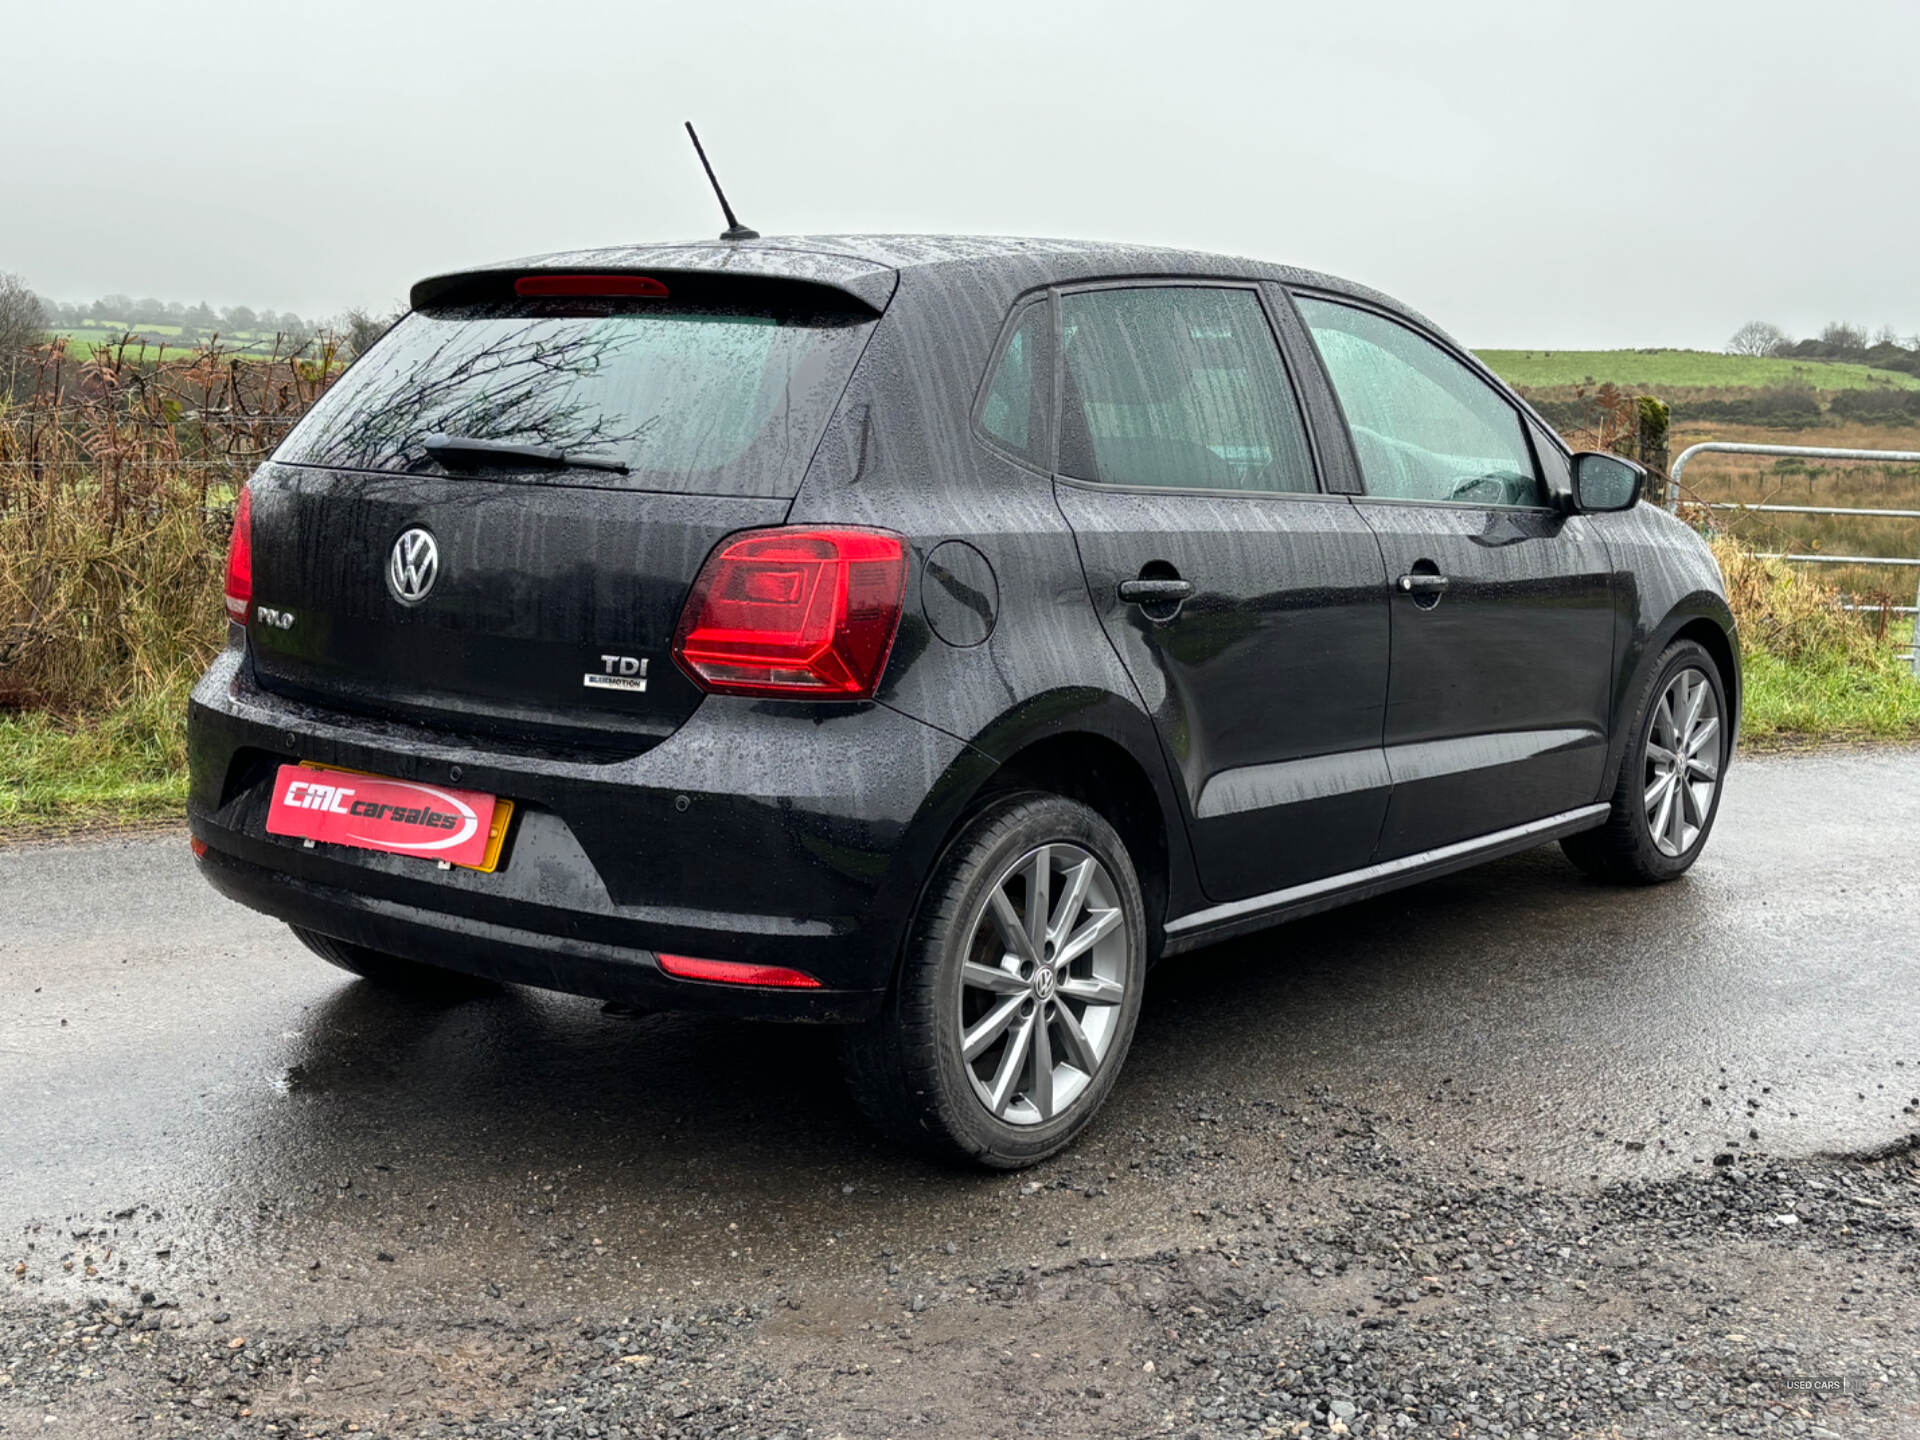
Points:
x=1154 y=592
x=1422 y=584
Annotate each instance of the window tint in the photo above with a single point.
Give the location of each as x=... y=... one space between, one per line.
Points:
x=1177 y=385
x=1424 y=426
x=711 y=401
x=1010 y=412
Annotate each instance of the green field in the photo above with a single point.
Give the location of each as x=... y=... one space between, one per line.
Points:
x=1657 y=370
x=82 y=341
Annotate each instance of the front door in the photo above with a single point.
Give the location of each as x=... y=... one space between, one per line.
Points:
x=1250 y=608
x=1502 y=614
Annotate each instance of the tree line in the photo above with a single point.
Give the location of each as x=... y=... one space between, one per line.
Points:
x=27 y=318
x=125 y=310
x=1884 y=349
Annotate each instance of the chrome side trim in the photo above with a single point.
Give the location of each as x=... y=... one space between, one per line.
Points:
x=1241 y=917
x=1346 y=772
x=1292 y=782
x=1431 y=759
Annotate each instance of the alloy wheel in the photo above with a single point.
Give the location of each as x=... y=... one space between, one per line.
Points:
x=1683 y=762
x=1042 y=983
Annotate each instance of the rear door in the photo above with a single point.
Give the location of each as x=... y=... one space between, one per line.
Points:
x=1497 y=710
x=1249 y=606
x=531 y=596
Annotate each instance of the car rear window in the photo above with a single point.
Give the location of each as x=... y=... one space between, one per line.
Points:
x=709 y=400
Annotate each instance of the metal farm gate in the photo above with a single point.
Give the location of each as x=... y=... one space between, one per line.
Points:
x=1814 y=452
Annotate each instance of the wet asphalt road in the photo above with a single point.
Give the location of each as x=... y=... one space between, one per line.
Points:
x=1624 y=1089
x=162 y=1047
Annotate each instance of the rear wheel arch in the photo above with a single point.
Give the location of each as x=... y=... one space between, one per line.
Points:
x=914 y=1069
x=1104 y=776
x=1084 y=745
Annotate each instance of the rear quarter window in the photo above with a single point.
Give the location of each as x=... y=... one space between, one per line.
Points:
x=1013 y=409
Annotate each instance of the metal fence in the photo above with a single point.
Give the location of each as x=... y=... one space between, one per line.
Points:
x=1815 y=452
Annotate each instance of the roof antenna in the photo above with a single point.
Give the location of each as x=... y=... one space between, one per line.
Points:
x=735 y=230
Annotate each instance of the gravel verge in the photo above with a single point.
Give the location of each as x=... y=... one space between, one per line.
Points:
x=1357 y=1294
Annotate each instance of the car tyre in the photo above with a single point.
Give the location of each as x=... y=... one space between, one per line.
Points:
x=992 y=986
x=1671 y=776
x=392 y=972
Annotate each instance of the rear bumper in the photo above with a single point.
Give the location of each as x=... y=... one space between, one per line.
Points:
x=506 y=953
x=762 y=832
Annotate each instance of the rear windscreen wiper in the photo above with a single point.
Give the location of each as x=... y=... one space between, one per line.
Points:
x=464 y=452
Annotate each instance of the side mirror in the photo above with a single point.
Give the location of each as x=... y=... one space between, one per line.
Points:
x=1603 y=483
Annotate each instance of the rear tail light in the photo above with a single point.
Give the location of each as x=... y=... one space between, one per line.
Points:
x=735 y=972
x=795 y=611
x=240 y=559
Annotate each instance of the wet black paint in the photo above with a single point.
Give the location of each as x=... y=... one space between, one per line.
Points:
x=1296 y=717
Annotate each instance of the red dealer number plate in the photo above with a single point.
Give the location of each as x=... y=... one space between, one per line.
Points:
x=401 y=817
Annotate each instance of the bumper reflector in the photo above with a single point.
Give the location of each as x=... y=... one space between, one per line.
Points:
x=199 y=847
x=734 y=972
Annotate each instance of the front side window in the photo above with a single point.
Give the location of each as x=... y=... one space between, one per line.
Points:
x=1424 y=426
x=1177 y=386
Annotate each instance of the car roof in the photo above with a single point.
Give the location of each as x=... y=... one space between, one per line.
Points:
x=871 y=266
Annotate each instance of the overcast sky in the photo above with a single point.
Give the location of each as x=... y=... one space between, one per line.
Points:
x=1529 y=174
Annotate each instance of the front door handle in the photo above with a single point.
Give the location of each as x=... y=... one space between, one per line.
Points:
x=1423 y=584
x=1155 y=592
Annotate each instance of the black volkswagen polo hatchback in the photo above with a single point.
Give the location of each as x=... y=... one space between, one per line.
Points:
x=925 y=635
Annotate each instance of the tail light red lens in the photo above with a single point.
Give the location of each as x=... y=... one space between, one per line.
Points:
x=795 y=611
x=735 y=972
x=240 y=559
x=589 y=286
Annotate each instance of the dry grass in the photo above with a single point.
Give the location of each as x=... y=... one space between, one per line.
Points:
x=1786 y=612
x=1847 y=436
x=95 y=616
x=102 y=633
x=1813 y=669
x=1762 y=480
x=117 y=483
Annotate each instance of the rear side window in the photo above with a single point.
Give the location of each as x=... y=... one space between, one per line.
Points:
x=1177 y=386
x=710 y=400
x=1424 y=426
x=1013 y=409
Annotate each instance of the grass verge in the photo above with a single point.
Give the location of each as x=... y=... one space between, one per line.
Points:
x=127 y=767
x=1813 y=671
x=1792 y=703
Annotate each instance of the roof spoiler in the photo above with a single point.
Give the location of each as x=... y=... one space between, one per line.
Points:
x=786 y=276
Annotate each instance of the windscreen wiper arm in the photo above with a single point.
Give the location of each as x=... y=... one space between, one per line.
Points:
x=465 y=452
